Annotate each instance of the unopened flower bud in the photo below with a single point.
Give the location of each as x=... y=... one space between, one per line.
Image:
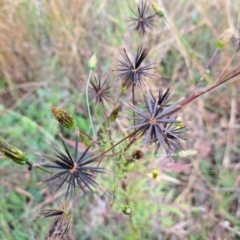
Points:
x=13 y=153
x=126 y=210
x=64 y=118
x=92 y=62
x=155 y=174
x=114 y=113
x=157 y=9
x=186 y=153
x=112 y=192
x=225 y=38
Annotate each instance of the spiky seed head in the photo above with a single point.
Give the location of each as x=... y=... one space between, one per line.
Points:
x=92 y=62
x=98 y=90
x=225 y=38
x=72 y=171
x=12 y=153
x=141 y=20
x=133 y=72
x=158 y=125
x=64 y=118
x=157 y=9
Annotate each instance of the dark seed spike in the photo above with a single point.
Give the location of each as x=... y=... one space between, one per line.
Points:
x=89 y=180
x=60 y=154
x=76 y=149
x=81 y=158
x=159 y=137
x=140 y=125
x=155 y=108
x=147 y=138
x=140 y=113
x=85 y=183
x=89 y=161
x=125 y=56
x=69 y=186
x=61 y=184
x=52 y=166
x=65 y=159
x=56 y=176
x=66 y=149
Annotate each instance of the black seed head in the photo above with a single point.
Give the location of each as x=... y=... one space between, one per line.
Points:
x=133 y=72
x=98 y=91
x=72 y=171
x=141 y=20
x=156 y=123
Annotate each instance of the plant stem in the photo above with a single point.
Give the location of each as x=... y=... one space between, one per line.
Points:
x=192 y=97
x=88 y=105
x=133 y=101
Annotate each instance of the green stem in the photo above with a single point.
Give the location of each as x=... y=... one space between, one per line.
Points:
x=88 y=105
x=43 y=169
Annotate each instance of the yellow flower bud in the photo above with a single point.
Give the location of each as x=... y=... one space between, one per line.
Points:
x=13 y=153
x=64 y=118
x=157 y=9
x=92 y=62
x=224 y=38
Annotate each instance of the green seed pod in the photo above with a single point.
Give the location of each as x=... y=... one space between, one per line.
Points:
x=114 y=113
x=13 y=153
x=64 y=118
x=155 y=174
x=126 y=210
x=156 y=8
x=92 y=62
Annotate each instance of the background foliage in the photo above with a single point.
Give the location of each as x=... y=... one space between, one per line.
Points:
x=45 y=48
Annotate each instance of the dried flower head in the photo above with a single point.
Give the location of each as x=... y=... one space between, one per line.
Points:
x=64 y=118
x=98 y=92
x=156 y=123
x=141 y=20
x=75 y=171
x=13 y=153
x=132 y=72
x=137 y=154
x=61 y=224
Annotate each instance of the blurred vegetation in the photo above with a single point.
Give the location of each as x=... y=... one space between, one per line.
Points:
x=45 y=48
